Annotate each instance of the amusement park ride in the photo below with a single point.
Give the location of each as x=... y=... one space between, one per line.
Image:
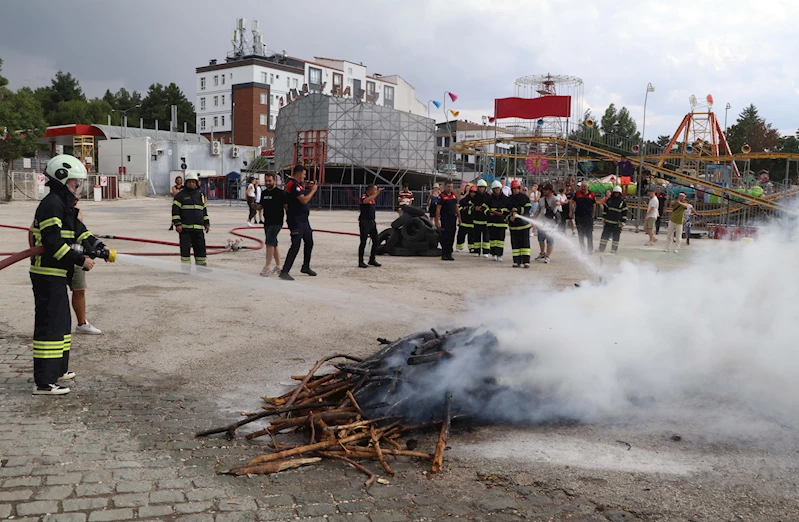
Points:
x=698 y=153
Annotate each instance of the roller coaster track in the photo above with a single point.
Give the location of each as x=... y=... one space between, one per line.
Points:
x=470 y=147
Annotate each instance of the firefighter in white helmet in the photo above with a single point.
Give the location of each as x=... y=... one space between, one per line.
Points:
x=57 y=228
x=190 y=218
x=480 y=213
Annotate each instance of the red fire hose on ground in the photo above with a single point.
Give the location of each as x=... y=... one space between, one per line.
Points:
x=15 y=257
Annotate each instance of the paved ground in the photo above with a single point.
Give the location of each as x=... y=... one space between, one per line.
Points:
x=181 y=354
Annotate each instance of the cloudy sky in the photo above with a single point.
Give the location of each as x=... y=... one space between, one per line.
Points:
x=739 y=51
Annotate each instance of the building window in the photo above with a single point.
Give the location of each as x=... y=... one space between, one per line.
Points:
x=263 y=99
x=223 y=120
x=272 y=121
x=223 y=79
x=338 y=80
x=223 y=100
x=349 y=71
x=263 y=119
x=264 y=77
x=216 y=80
x=202 y=83
x=271 y=78
x=216 y=121
x=315 y=77
x=271 y=141
x=202 y=123
x=216 y=101
x=288 y=82
x=263 y=141
x=202 y=104
x=370 y=87
x=388 y=96
x=294 y=83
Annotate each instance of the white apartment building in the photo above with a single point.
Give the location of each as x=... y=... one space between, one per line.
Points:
x=271 y=80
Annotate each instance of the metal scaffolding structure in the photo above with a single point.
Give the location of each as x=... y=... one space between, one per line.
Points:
x=353 y=141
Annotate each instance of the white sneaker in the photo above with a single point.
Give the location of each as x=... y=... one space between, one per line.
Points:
x=486 y=256
x=87 y=328
x=265 y=272
x=276 y=270
x=50 y=389
x=499 y=259
x=676 y=251
x=665 y=249
x=67 y=376
x=545 y=260
x=477 y=255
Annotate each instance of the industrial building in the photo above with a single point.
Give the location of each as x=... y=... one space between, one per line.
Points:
x=343 y=140
x=239 y=100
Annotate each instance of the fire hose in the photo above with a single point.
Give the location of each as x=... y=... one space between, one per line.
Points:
x=231 y=246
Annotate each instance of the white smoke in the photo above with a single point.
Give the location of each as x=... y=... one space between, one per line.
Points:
x=724 y=329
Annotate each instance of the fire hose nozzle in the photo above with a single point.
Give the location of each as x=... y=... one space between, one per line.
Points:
x=110 y=255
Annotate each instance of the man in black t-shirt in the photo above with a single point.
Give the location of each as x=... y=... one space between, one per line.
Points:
x=584 y=209
x=447 y=218
x=272 y=202
x=367 y=225
x=298 y=209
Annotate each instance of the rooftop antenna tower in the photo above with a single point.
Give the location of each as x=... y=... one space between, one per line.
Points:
x=239 y=40
x=258 y=46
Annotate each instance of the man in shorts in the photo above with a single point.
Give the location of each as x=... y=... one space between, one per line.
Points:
x=272 y=203
x=652 y=214
x=549 y=208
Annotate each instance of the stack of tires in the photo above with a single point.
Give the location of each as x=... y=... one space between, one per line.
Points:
x=411 y=234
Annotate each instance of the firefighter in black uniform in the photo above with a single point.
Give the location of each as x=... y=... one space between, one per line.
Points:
x=367 y=225
x=481 y=242
x=498 y=212
x=448 y=216
x=190 y=217
x=615 y=217
x=57 y=229
x=466 y=228
x=519 y=228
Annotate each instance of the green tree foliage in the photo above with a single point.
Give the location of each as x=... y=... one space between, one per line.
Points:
x=3 y=81
x=77 y=111
x=157 y=105
x=21 y=125
x=752 y=129
x=121 y=101
x=63 y=88
x=619 y=123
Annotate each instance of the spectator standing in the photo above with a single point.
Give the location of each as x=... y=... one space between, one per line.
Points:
x=177 y=187
x=433 y=197
x=448 y=217
x=615 y=218
x=535 y=198
x=563 y=209
x=505 y=188
x=584 y=208
x=298 y=209
x=405 y=196
x=625 y=169
x=367 y=225
x=652 y=215
x=250 y=199
x=674 y=232
x=687 y=224
x=257 y=199
x=546 y=241
x=272 y=204
x=662 y=200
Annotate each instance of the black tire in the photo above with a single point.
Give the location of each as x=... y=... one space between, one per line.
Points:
x=394 y=239
x=401 y=252
x=429 y=224
x=413 y=211
x=433 y=252
x=414 y=230
x=415 y=246
x=432 y=237
x=400 y=221
x=386 y=240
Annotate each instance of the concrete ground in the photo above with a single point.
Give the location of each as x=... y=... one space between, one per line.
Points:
x=181 y=353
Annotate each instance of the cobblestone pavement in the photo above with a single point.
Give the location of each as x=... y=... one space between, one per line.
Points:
x=117 y=450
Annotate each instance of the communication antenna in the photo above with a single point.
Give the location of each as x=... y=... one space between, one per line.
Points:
x=258 y=46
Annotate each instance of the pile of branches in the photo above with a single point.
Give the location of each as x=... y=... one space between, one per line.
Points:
x=362 y=410
x=411 y=234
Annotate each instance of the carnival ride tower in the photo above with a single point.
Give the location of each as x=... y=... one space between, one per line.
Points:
x=698 y=139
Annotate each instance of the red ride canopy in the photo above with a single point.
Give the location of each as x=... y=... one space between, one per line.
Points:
x=533 y=108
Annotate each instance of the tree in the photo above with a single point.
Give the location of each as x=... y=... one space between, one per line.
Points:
x=124 y=100
x=663 y=140
x=63 y=88
x=157 y=105
x=751 y=129
x=77 y=111
x=22 y=125
x=3 y=81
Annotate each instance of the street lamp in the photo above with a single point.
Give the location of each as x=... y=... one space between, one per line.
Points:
x=649 y=88
x=124 y=121
x=728 y=107
x=434 y=102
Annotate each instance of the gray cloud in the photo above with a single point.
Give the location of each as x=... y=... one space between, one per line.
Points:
x=738 y=53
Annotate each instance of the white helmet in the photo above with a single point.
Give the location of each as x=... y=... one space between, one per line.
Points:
x=64 y=167
x=482 y=183
x=191 y=175
x=496 y=184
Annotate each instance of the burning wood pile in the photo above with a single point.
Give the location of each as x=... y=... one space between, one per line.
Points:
x=363 y=409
